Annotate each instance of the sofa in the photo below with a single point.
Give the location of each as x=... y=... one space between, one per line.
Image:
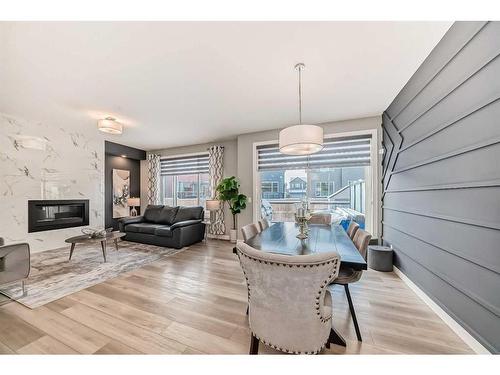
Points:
x=165 y=226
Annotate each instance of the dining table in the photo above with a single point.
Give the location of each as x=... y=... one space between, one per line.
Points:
x=281 y=238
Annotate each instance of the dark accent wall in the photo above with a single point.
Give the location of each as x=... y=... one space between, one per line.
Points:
x=441 y=178
x=115 y=160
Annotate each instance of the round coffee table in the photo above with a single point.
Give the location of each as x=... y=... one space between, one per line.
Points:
x=85 y=239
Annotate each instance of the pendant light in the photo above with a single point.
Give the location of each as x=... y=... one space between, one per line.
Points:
x=301 y=139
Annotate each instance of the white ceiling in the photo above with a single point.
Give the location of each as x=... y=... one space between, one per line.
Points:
x=179 y=83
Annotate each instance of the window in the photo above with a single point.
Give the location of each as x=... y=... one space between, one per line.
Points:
x=332 y=180
x=184 y=180
x=269 y=186
x=323 y=189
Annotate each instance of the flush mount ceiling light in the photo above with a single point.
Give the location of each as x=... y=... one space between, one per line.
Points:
x=301 y=139
x=110 y=125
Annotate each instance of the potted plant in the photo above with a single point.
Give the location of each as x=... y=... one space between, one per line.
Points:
x=228 y=191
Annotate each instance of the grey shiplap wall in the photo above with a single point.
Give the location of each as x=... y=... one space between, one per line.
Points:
x=441 y=178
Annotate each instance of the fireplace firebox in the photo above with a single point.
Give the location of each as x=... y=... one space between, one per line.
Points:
x=57 y=214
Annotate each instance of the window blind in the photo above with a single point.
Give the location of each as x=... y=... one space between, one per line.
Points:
x=170 y=166
x=337 y=152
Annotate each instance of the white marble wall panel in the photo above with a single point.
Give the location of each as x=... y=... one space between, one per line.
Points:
x=47 y=161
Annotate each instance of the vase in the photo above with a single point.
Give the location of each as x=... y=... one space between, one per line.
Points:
x=233 y=235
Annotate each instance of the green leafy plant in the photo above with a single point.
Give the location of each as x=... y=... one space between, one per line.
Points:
x=228 y=191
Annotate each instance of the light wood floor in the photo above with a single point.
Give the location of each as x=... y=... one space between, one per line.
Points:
x=195 y=302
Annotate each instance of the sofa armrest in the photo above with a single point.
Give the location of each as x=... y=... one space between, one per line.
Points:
x=14 y=262
x=129 y=220
x=185 y=223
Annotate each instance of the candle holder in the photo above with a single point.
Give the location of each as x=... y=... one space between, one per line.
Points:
x=302 y=219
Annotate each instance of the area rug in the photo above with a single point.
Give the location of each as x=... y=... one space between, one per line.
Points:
x=53 y=276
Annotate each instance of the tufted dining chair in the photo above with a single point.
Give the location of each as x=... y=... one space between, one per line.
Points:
x=323 y=218
x=348 y=275
x=264 y=224
x=353 y=228
x=14 y=263
x=286 y=297
x=249 y=231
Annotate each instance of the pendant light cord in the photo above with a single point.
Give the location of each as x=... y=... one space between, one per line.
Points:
x=300 y=95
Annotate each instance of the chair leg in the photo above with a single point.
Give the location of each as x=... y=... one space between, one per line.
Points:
x=335 y=338
x=254 y=345
x=353 y=313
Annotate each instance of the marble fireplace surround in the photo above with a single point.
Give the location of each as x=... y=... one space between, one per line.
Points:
x=47 y=161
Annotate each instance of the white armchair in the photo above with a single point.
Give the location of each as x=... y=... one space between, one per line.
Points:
x=286 y=297
x=14 y=263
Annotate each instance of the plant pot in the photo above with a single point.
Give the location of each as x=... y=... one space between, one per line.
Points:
x=233 y=235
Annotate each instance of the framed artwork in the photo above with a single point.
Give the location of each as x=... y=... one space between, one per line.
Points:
x=121 y=193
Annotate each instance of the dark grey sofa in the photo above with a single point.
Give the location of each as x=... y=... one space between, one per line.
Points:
x=165 y=226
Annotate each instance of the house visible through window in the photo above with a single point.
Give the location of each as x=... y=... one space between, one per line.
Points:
x=184 y=180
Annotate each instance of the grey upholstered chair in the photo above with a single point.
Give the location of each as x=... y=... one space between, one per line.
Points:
x=249 y=231
x=353 y=227
x=286 y=298
x=323 y=218
x=14 y=263
x=348 y=275
x=264 y=224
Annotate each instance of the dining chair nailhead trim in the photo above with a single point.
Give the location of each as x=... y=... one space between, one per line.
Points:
x=318 y=297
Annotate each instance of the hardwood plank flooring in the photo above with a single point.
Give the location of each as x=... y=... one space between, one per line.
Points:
x=46 y=345
x=195 y=302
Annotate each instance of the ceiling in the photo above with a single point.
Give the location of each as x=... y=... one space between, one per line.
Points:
x=180 y=83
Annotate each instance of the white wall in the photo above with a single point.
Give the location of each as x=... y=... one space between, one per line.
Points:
x=70 y=167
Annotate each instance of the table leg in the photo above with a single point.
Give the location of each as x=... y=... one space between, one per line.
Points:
x=71 y=250
x=116 y=243
x=103 y=245
x=336 y=338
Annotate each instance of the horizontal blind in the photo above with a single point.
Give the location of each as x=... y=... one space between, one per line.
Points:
x=337 y=152
x=170 y=166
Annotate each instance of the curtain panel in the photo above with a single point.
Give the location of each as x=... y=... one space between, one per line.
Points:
x=153 y=179
x=215 y=172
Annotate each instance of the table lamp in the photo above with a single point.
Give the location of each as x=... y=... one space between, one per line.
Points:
x=212 y=205
x=133 y=202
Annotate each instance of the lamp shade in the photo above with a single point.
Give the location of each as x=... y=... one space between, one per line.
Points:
x=301 y=140
x=134 y=202
x=110 y=125
x=212 y=204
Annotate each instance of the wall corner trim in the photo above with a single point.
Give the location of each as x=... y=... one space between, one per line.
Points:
x=447 y=319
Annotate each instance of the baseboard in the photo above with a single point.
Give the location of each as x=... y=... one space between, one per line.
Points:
x=449 y=321
x=224 y=237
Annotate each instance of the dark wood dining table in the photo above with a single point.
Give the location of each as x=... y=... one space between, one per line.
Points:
x=281 y=238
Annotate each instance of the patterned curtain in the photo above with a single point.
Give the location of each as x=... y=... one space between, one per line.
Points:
x=153 y=179
x=215 y=171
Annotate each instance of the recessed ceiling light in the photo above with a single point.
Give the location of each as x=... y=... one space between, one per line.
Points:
x=123 y=156
x=110 y=125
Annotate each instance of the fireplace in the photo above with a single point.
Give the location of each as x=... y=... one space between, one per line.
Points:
x=57 y=214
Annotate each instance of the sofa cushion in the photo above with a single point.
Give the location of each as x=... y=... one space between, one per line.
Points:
x=164 y=231
x=147 y=228
x=167 y=215
x=152 y=213
x=189 y=213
